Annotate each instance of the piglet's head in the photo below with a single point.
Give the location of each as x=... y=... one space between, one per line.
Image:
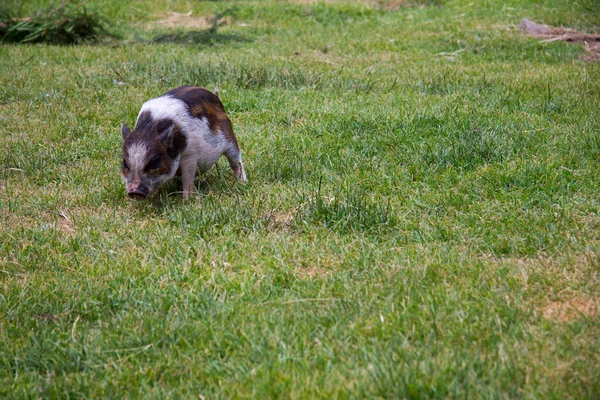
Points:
x=150 y=158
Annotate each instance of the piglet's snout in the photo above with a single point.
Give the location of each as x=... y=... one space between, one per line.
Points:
x=135 y=190
x=135 y=184
x=136 y=195
x=139 y=193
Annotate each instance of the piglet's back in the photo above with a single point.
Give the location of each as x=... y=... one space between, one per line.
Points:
x=203 y=104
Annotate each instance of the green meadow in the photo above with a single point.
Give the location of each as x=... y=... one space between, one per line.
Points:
x=421 y=218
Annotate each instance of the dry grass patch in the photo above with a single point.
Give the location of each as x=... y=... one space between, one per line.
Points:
x=564 y=274
x=563 y=270
x=280 y=220
x=65 y=223
x=313 y=271
x=590 y=41
x=389 y=5
x=60 y=221
x=178 y=20
x=571 y=309
x=328 y=1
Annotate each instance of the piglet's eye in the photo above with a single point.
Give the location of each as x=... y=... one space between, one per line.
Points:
x=153 y=164
x=124 y=164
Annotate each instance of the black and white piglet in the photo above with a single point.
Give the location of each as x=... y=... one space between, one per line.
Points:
x=180 y=132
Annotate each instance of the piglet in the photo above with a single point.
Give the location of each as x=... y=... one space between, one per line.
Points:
x=180 y=132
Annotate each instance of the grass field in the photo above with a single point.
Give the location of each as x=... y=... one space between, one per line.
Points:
x=422 y=217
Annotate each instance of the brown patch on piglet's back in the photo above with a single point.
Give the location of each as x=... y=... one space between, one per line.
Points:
x=217 y=119
x=204 y=104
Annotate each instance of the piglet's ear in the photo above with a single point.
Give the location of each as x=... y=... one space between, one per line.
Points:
x=174 y=139
x=125 y=132
x=167 y=135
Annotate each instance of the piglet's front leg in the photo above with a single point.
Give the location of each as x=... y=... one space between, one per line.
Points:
x=188 y=167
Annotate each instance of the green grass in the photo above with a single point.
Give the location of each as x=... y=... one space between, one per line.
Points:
x=69 y=23
x=422 y=217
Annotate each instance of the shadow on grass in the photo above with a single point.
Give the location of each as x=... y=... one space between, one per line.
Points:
x=205 y=37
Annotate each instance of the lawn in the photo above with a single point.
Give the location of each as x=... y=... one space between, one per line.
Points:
x=421 y=218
